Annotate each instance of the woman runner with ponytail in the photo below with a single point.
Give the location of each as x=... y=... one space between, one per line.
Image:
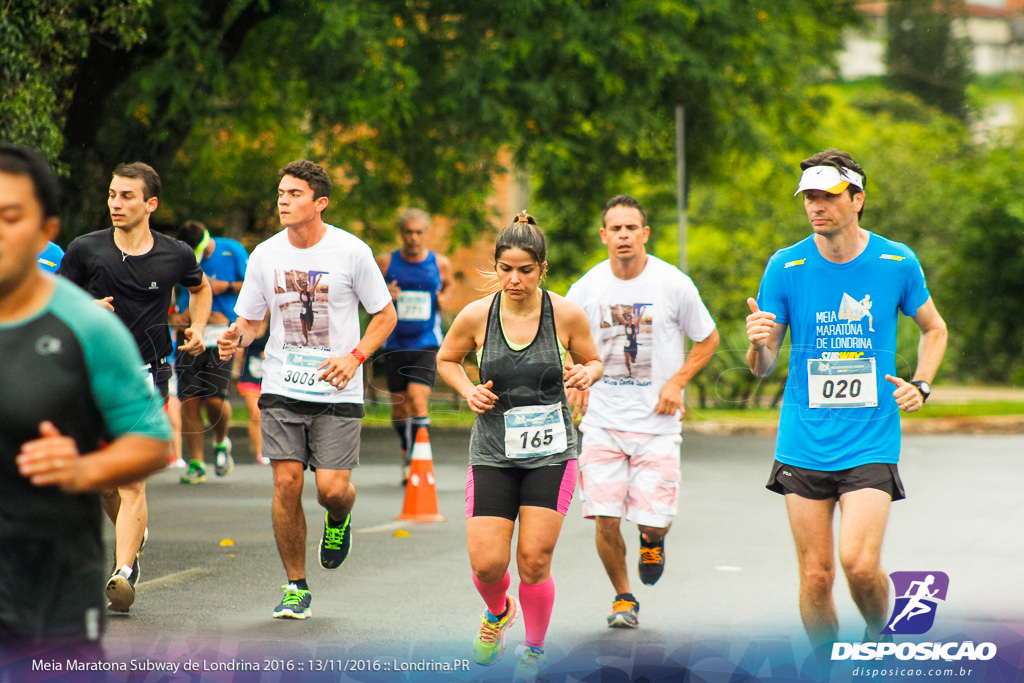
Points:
x=522 y=450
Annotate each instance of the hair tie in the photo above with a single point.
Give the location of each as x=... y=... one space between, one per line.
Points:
x=522 y=217
x=201 y=247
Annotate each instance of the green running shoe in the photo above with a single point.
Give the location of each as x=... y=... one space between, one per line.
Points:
x=196 y=473
x=223 y=463
x=336 y=542
x=490 y=640
x=295 y=604
x=530 y=665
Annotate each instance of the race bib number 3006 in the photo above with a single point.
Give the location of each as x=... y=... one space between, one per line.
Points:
x=845 y=383
x=299 y=373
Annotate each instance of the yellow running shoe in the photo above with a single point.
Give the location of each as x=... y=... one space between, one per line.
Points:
x=531 y=664
x=490 y=640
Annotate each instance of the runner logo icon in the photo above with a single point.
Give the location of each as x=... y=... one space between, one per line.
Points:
x=917 y=597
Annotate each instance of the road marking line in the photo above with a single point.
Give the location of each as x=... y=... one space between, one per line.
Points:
x=390 y=526
x=176 y=577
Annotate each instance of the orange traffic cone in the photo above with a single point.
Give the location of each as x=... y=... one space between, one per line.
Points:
x=421 y=490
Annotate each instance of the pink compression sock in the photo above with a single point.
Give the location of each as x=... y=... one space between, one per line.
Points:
x=493 y=593
x=537 y=600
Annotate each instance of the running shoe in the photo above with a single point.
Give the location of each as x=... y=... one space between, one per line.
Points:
x=652 y=560
x=121 y=585
x=336 y=543
x=224 y=462
x=405 y=474
x=196 y=473
x=179 y=462
x=120 y=591
x=262 y=460
x=530 y=666
x=490 y=639
x=624 y=611
x=295 y=604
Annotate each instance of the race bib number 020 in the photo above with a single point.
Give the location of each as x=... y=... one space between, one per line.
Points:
x=413 y=305
x=845 y=383
x=299 y=373
x=534 y=431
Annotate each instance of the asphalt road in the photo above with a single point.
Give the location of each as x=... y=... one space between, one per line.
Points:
x=730 y=582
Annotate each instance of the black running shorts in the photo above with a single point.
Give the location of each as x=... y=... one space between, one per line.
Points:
x=406 y=367
x=202 y=376
x=501 y=491
x=822 y=485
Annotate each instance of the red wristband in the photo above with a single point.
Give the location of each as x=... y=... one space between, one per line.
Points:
x=358 y=354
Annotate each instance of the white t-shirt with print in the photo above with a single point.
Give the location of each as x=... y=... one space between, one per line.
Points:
x=638 y=326
x=313 y=295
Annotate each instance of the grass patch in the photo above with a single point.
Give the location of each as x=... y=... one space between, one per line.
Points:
x=444 y=416
x=969 y=410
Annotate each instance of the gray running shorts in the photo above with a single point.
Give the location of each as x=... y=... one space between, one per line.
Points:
x=324 y=442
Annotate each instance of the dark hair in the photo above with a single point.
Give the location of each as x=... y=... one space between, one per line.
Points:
x=191 y=233
x=314 y=175
x=144 y=172
x=413 y=215
x=623 y=200
x=522 y=233
x=838 y=159
x=18 y=160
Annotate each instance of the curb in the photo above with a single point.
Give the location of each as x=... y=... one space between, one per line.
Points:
x=991 y=425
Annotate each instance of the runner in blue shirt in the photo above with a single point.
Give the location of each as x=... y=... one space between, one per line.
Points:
x=203 y=380
x=841 y=291
x=50 y=258
x=420 y=282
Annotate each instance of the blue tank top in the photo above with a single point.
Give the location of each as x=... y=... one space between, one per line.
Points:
x=419 y=318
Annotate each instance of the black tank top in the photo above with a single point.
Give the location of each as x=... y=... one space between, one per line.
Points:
x=531 y=377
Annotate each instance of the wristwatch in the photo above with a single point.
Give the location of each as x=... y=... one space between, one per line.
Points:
x=923 y=387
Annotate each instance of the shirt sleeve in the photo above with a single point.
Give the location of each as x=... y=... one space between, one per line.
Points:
x=770 y=296
x=191 y=271
x=370 y=287
x=252 y=303
x=120 y=387
x=573 y=294
x=694 y=318
x=71 y=264
x=915 y=290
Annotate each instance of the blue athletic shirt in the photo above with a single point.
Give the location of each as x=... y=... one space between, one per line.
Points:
x=227 y=262
x=418 y=329
x=831 y=309
x=50 y=258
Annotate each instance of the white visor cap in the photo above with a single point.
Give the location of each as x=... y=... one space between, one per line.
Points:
x=829 y=179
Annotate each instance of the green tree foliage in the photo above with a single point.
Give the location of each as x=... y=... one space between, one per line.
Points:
x=41 y=45
x=424 y=101
x=141 y=101
x=987 y=275
x=955 y=203
x=924 y=56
